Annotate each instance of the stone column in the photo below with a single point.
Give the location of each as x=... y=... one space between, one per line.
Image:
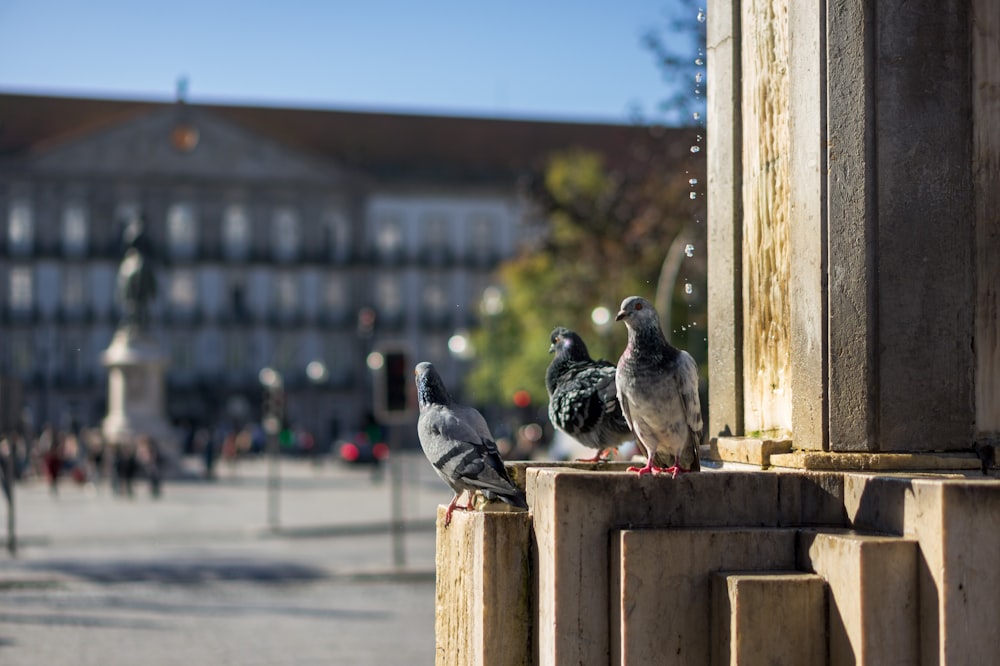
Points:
x=853 y=227
x=136 y=393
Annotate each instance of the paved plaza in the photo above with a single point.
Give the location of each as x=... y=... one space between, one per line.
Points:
x=199 y=576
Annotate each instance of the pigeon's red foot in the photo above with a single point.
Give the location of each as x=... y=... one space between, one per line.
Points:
x=676 y=470
x=599 y=458
x=650 y=468
x=454 y=505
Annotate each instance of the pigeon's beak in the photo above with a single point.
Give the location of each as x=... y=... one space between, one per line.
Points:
x=621 y=315
x=552 y=348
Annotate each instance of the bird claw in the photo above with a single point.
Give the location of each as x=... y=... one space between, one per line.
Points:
x=599 y=458
x=454 y=506
x=675 y=471
x=650 y=468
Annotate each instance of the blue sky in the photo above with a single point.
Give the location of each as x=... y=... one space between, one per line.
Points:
x=560 y=59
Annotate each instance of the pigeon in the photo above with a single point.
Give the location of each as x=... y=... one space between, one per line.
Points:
x=458 y=443
x=583 y=400
x=658 y=391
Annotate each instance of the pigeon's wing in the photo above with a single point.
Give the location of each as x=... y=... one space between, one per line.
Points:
x=607 y=389
x=687 y=385
x=459 y=453
x=627 y=413
x=490 y=453
x=577 y=405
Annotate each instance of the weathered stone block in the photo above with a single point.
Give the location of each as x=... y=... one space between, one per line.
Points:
x=811 y=499
x=958 y=526
x=873 y=609
x=747 y=450
x=574 y=513
x=660 y=587
x=768 y=619
x=483 y=590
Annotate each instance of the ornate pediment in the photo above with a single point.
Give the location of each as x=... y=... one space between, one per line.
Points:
x=183 y=141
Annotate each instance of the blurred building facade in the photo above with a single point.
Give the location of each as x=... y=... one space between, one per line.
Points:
x=295 y=239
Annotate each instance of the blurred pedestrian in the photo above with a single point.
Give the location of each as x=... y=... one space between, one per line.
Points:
x=151 y=459
x=126 y=467
x=207 y=439
x=51 y=444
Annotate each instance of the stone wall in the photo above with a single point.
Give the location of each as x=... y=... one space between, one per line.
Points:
x=748 y=567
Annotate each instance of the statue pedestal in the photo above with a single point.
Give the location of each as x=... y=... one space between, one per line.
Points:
x=136 y=402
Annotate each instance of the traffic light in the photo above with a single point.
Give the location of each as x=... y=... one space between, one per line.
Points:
x=398 y=377
x=393 y=385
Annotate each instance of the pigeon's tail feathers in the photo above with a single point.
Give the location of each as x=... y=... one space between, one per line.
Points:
x=516 y=498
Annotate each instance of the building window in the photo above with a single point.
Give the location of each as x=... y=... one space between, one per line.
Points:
x=285 y=234
x=286 y=355
x=435 y=297
x=436 y=237
x=73 y=363
x=338 y=236
x=21 y=294
x=22 y=355
x=20 y=227
x=388 y=295
x=181 y=231
x=181 y=356
x=73 y=291
x=236 y=232
x=337 y=352
x=335 y=295
x=74 y=230
x=235 y=353
x=209 y=352
x=286 y=295
x=481 y=241
x=388 y=236
x=183 y=292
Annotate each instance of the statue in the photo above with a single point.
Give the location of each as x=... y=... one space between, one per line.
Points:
x=136 y=286
x=136 y=364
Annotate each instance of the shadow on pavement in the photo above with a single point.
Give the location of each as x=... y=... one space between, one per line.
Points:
x=180 y=571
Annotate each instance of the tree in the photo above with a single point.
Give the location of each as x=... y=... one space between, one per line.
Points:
x=607 y=234
x=610 y=231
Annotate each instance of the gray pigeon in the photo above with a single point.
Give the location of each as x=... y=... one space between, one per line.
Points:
x=658 y=391
x=459 y=445
x=583 y=400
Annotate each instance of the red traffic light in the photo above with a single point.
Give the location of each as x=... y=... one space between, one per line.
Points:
x=522 y=398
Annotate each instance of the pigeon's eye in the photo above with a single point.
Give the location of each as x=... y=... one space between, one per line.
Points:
x=638 y=306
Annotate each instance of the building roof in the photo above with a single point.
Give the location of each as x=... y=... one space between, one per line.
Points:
x=385 y=145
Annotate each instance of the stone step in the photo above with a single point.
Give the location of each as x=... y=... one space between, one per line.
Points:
x=574 y=512
x=873 y=607
x=771 y=618
x=661 y=584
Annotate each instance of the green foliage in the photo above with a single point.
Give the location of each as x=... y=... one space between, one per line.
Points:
x=606 y=239
x=607 y=232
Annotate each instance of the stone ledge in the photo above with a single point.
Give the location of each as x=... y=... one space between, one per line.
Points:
x=768 y=453
x=746 y=450
x=518 y=469
x=878 y=462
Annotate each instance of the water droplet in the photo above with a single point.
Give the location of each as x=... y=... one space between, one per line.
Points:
x=693 y=195
x=698 y=77
x=701 y=16
x=689 y=250
x=693 y=182
x=696 y=115
x=695 y=149
x=699 y=61
x=688 y=288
